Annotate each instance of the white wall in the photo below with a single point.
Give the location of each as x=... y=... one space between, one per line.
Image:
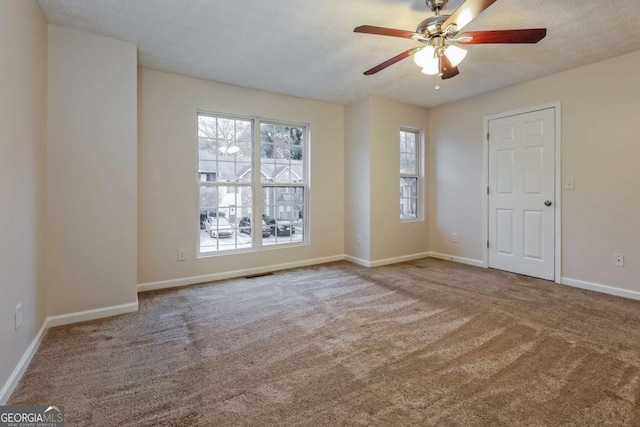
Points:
x=357 y=180
x=91 y=173
x=372 y=176
x=168 y=210
x=23 y=100
x=600 y=148
x=391 y=238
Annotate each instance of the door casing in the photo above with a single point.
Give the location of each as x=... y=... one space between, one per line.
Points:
x=557 y=107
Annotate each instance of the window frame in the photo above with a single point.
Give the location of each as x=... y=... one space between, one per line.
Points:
x=257 y=184
x=418 y=175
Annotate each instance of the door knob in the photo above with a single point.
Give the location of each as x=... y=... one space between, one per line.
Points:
x=547 y=203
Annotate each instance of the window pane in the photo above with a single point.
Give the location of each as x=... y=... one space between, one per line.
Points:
x=225 y=154
x=408 y=187
x=210 y=145
x=207 y=126
x=403 y=142
x=297 y=143
x=283 y=152
x=411 y=142
x=243 y=130
x=283 y=172
x=403 y=163
x=226 y=129
x=244 y=150
x=207 y=168
x=283 y=213
x=221 y=208
x=408 y=198
x=267 y=150
x=408 y=208
x=284 y=144
x=266 y=133
x=227 y=171
x=296 y=152
x=410 y=165
x=243 y=171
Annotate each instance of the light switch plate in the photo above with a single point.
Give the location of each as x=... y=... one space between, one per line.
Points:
x=569 y=183
x=182 y=254
x=454 y=237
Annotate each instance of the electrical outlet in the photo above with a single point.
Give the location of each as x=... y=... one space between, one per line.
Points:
x=182 y=254
x=618 y=260
x=18 y=316
x=358 y=240
x=454 y=237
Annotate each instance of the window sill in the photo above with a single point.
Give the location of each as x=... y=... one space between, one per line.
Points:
x=409 y=221
x=251 y=250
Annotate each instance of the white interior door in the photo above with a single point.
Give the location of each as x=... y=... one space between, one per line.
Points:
x=522 y=193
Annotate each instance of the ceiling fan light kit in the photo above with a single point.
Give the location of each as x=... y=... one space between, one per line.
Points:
x=439 y=56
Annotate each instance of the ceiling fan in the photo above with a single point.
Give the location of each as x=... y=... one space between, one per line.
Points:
x=439 y=56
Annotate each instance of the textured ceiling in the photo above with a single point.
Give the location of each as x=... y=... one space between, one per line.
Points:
x=308 y=48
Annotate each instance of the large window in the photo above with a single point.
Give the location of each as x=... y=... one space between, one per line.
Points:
x=250 y=172
x=409 y=174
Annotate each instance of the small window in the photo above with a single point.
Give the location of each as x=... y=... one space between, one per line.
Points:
x=409 y=174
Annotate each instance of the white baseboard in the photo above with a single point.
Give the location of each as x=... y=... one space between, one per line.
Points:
x=98 y=313
x=412 y=257
x=386 y=261
x=358 y=261
x=461 y=260
x=185 y=281
x=396 y=260
x=22 y=366
x=605 y=289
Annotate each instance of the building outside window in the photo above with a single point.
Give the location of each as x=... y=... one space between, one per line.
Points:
x=233 y=197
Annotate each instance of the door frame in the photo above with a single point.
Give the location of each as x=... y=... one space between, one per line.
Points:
x=557 y=107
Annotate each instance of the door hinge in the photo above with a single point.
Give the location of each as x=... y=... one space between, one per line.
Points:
x=487 y=243
x=487 y=136
x=487 y=190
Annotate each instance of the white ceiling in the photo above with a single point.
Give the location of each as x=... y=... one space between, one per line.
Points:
x=307 y=48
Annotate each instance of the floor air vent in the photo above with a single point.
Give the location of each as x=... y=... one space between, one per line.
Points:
x=253 y=276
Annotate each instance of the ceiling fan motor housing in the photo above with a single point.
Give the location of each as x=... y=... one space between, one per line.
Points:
x=432 y=25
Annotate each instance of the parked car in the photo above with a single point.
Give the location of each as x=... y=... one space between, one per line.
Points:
x=208 y=214
x=245 y=227
x=278 y=227
x=218 y=227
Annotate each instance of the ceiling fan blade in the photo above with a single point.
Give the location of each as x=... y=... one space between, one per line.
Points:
x=446 y=69
x=381 y=31
x=467 y=12
x=392 y=61
x=533 y=35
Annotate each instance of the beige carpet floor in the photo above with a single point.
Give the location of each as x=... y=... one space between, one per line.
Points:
x=421 y=343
